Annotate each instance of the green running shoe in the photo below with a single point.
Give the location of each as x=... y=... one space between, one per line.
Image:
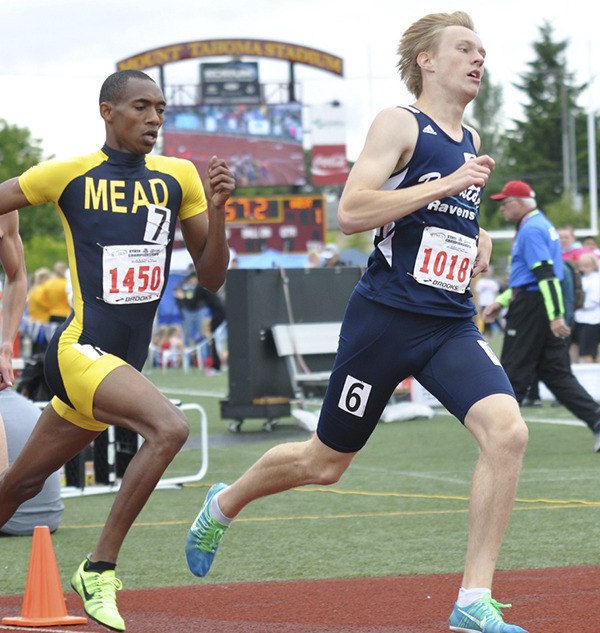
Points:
x=482 y=616
x=204 y=536
x=98 y=592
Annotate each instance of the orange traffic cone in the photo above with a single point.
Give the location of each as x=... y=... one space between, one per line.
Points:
x=44 y=601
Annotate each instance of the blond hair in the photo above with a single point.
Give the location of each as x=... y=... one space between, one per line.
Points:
x=588 y=258
x=41 y=275
x=424 y=36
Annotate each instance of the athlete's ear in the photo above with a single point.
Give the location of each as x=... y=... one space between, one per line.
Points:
x=424 y=60
x=106 y=111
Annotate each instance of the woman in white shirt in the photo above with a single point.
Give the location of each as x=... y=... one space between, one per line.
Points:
x=586 y=331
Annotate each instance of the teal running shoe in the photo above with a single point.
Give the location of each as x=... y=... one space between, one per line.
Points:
x=204 y=536
x=482 y=616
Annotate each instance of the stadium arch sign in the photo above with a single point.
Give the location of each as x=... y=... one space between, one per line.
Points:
x=293 y=53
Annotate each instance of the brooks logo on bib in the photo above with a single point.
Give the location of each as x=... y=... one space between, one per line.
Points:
x=445 y=259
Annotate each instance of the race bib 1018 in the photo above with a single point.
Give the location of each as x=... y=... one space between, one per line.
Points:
x=445 y=259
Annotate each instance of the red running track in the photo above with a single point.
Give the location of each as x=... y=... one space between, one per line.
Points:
x=553 y=600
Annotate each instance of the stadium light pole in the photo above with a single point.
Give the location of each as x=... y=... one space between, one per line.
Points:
x=592 y=170
x=592 y=158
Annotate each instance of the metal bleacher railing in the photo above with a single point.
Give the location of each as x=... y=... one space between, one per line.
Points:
x=86 y=486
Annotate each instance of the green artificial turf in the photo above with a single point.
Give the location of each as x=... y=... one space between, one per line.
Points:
x=401 y=508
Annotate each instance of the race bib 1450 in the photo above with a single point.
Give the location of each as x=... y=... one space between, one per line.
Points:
x=133 y=273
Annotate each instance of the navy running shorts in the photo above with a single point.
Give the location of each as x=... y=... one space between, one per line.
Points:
x=380 y=346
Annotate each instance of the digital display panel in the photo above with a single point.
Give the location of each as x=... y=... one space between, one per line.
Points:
x=262 y=144
x=284 y=223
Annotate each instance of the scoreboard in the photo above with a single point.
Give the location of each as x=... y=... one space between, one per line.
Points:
x=288 y=223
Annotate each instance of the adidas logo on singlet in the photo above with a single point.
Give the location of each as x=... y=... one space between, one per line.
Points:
x=429 y=130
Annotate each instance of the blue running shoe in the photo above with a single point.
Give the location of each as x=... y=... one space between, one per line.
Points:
x=204 y=536
x=482 y=616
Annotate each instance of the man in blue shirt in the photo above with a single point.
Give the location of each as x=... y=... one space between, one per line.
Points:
x=536 y=339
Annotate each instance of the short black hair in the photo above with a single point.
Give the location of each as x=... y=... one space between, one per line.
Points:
x=114 y=85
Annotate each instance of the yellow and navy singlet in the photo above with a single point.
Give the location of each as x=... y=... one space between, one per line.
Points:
x=119 y=213
x=423 y=261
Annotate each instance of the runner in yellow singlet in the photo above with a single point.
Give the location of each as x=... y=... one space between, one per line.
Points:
x=118 y=206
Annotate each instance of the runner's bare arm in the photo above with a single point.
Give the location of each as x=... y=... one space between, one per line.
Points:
x=388 y=147
x=11 y=196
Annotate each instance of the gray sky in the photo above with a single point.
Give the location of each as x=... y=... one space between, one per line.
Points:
x=56 y=53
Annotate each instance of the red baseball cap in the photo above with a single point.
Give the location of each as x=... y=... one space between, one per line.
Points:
x=514 y=189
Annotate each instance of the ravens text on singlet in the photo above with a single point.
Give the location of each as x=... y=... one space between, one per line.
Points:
x=119 y=213
x=423 y=262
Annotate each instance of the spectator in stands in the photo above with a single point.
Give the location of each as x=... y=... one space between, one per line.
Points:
x=486 y=289
x=190 y=300
x=175 y=342
x=18 y=416
x=216 y=319
x=37 y=306
x=38 y=312
x=569 y=244
x=571 y=283
x=314 y=259
x=590 y=242
x=330 y=256
x=586 y=330
x=198 y=305
x=572 y=248
x=56 y=294
x=168 y=346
